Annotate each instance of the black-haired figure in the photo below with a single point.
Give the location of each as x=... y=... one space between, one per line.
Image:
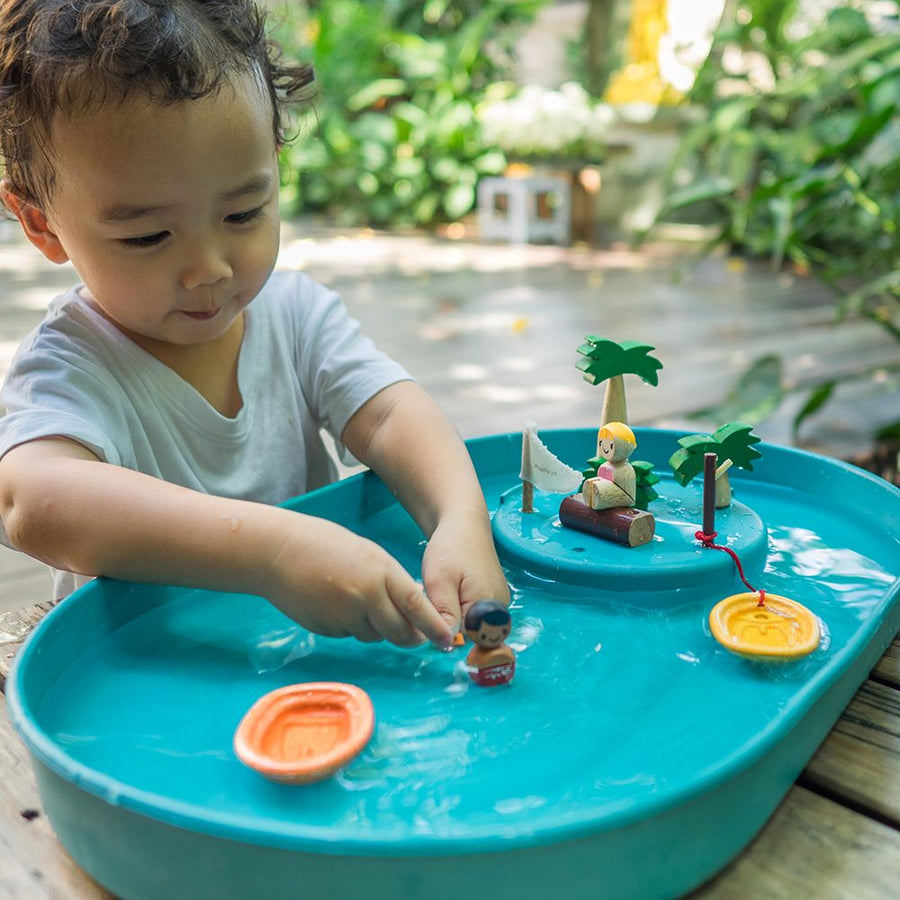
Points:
x=490 y=661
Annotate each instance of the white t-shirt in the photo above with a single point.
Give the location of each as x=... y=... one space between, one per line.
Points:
x=303 y=367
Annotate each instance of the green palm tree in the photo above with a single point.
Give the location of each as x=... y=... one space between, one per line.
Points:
x=733 y=442
x=606 y=360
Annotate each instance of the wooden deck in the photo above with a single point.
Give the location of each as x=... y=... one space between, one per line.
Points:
x=492 y=332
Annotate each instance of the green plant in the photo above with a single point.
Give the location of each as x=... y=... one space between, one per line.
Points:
x=797 y=157
x=393 y=138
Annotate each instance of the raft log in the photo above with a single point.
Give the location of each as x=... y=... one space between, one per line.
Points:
x=623 y=525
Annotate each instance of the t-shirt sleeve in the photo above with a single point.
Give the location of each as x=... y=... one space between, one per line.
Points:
x=340 y=368
x=48 y=393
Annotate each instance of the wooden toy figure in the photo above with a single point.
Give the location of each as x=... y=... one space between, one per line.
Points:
x=615 y=484
x=606 y=505
x=490 y=661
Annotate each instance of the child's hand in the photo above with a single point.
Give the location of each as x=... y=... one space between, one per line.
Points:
x=460 y=566
x=341 y=585
x=405 y=438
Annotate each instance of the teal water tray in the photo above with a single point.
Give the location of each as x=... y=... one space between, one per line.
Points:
x=632 y=756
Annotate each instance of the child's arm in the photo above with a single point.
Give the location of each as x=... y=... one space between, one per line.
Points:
x=62 y=505
x=402 y=435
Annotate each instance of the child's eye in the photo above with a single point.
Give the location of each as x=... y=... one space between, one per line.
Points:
x=242 y=218
x=146 y=240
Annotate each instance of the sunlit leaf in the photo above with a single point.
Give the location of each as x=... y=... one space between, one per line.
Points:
x=835 y=130
x=458 y=200
x=757 y=393
x=814 y=402
x=853 y=302
x=733 y=113
x=376 y=91
x=866 y=129
x=708 y=189
x=889 y=432
x=782 y=214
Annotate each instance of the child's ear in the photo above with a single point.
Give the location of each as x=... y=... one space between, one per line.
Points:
x=34 y=224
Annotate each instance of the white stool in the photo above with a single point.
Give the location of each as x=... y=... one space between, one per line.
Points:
x=525 y=210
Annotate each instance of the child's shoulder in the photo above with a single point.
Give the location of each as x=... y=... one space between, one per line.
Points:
x=69 y=320
x=296 y=295
x=74 y=336
x=292 y=287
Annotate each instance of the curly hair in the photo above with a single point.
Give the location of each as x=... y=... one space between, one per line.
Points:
x=67 y=55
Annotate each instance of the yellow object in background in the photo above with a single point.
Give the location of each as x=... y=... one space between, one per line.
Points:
x=639 y=80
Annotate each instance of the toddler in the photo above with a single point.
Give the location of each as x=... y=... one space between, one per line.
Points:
x=169 y=400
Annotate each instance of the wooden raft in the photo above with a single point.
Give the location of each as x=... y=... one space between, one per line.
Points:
x=631 y=527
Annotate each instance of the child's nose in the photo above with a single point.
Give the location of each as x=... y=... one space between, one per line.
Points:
x=205 y=266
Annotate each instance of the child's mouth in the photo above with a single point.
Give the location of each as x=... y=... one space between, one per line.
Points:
x=202 y=316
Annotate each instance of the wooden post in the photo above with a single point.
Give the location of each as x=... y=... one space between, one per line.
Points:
x=527 y=484
x=709 y=493
x=527 y=497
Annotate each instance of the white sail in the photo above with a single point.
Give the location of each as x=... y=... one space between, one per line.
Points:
x=542 y=468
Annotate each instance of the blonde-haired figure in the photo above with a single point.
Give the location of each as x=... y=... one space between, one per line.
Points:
x=615 y=484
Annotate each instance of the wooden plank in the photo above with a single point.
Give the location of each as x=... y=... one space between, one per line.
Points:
x=23 y=580
x=812 y=847
x=15 y=626
x=34 y=865
x=24 y=589
x=859 y=762
x=887 y=669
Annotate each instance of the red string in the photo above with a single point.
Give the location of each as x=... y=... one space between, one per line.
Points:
x=708 y=541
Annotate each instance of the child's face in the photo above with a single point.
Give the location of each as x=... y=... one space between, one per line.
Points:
x=169 y=213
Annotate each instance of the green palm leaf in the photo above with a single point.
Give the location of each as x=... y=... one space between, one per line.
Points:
x=603 y=359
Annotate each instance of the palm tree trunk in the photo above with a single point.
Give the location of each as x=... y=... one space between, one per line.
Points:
x=614 y=408
x=723 y=491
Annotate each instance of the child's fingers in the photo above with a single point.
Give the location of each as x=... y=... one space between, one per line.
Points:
x=392 y=625
x=472 y=590
x=445 y=600
x=410 y=599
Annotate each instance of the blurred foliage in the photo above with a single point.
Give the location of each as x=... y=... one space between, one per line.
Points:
x=797 y=158
x=600 y=50
x=393 y=138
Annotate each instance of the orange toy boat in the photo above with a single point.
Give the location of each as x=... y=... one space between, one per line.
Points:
x=305 y=732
